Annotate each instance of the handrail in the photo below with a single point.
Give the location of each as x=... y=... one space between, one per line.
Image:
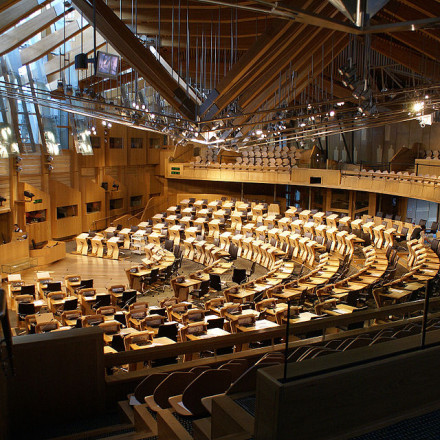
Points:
x=147 y=354
x=111 y=217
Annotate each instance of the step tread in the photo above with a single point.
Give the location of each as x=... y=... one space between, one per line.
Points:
x=143 y=420
x=127 y=410
x=236 y=412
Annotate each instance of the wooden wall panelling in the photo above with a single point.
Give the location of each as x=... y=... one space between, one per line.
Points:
x=98 y=157
x=14 y=252
x=5 y=226
x=136 y=156
x=92 y=192
x=155 y=141
x=62 y=168
x=137 y=180
x=5 y=185
x=64 y=196
x=32 y=214
x=121 y=193
x=116 y=156
x=50 y=359
x=32 y=170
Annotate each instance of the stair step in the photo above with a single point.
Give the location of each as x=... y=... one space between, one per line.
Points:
x=202 y=429
x=98 y=433
x=143 y=420
x=126 y=411
x=230 y=420
x=169 y=428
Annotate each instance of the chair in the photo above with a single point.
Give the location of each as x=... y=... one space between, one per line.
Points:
x=434 y=227
x=149 y=279
x=168 y=330
x=45 y=327
x=70 y=304
x=236 y=369
x=215 y=282
x=148 y=385
x=216 y=323
x=102 y=299
x=174 y=384
x=169 y=245
x=128 y=297
x=209 y=383
x=152 y=322
x=24 y=309
x=106 y=310
x=70 y=317
x=193 y=315
x=239 y=276
x=92 y=320
x=55 y=301
x=203 y=290
x=233 y=252
x=52 y=287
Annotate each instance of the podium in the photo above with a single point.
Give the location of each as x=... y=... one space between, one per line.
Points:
x=97 y=246
x=113 y=248
x=81 y=243
x=126 y=237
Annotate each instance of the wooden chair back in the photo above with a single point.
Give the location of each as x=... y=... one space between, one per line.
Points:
x=207 y=384
x=193 y=315
x=174 y=384
x=140 y=337
x=44 y=327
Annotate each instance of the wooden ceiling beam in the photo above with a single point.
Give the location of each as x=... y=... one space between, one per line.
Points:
x=303 y=80
x=54 y=65
x=51 y=42
x=257 y=66
x=199 y=16
x=17 y=36
x=12 y=15
x=296 y=55
x=140 y=58
x=245 y=30
x=5 y=4
x=407 y=57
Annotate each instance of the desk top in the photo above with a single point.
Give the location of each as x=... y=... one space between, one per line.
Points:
x=259 y=325
x=210 y=333
x=157 y=342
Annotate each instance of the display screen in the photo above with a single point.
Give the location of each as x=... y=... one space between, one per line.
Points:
x=107 y=64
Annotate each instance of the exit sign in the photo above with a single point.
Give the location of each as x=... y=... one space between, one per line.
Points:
x=38 y=201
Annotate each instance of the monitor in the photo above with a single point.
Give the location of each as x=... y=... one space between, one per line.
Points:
x=107 y=65
x=86 y=284
x=28 y=290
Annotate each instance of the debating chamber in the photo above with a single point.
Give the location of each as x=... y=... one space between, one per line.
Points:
x=219 y=219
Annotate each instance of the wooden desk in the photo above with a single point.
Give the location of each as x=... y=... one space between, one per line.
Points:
x=182 y=289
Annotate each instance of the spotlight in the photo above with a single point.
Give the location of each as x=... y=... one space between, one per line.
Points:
x=29 y=195
x=418 y=106
x=81 y=61
x=332 y=113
